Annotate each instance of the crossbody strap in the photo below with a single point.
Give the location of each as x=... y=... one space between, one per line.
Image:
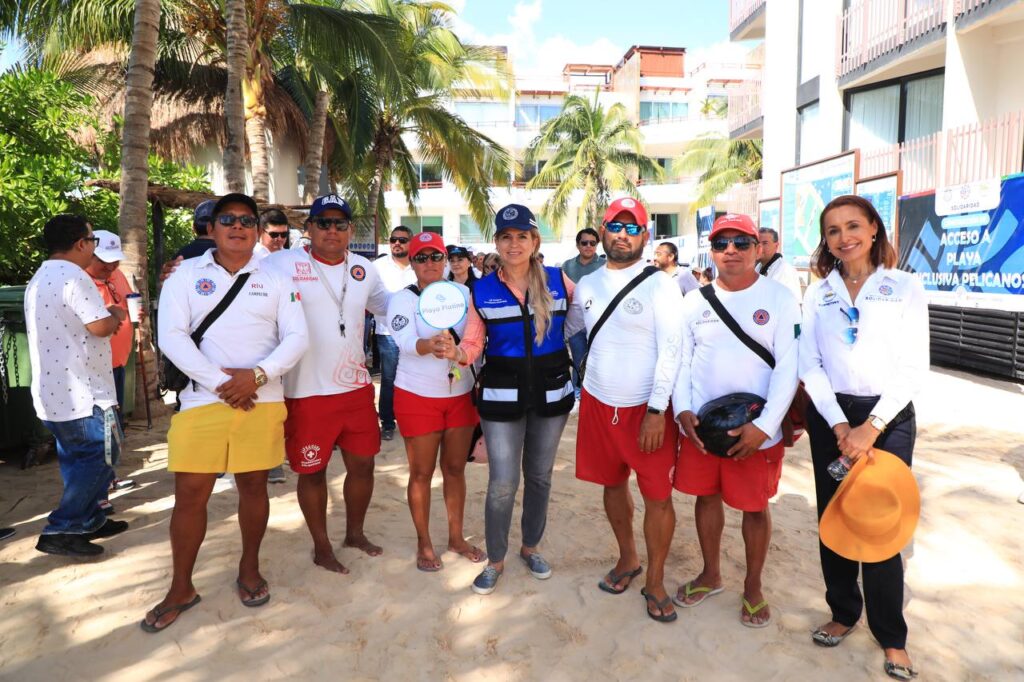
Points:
x=633 y=284
x=219 y=309
x=708 y=292
x=771 y=261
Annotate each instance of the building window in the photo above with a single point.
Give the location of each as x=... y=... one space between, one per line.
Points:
x=429 y=173
x=536 y=115
x=810 y=40
x=424 y=223
x=547 y=232
x=530 y=170
x=893 y=112
x=654 y=112
x=665 y=225
x=809 y=134
x=469 y=230
x=482 y=113
x=665 y=164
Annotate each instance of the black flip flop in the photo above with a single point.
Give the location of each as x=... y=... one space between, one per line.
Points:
x=161 y=612
x=613 y=579
x=660 y=605
x=253 y=601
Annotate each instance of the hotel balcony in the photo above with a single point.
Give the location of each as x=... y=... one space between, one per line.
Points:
x=877 y=37
x=746 y=117
x=969 y=13
x=746 y=19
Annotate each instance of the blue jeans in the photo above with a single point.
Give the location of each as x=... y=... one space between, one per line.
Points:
x=85 y=472
x=577 y=348
x=388 y=369
x=530 y=444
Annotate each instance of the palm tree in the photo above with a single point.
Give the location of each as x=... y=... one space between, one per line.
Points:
x=720 y=164
x=591 y=149
x=236 y=44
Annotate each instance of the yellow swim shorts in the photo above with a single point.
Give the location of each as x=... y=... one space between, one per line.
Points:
x=217 y=438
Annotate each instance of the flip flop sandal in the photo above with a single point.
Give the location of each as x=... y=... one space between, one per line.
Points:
x=613 y=579
x=689 y=590
x=822 y=638
x=660 y=605
x=428 y=566
x=163 y=611
x=899 y=671
x=753 y=611
x=253 y=600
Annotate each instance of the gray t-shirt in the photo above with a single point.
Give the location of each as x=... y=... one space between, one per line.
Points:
x=575 y=270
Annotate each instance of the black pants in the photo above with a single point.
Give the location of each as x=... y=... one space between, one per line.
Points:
x=883 y=581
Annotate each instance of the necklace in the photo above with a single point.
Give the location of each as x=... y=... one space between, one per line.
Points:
x=858 y=278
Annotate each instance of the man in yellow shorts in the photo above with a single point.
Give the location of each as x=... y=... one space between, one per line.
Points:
x=232 y=411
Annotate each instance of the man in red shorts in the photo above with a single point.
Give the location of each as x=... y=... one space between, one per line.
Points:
x=625 y=423
x=714 y=362
x=329 y=394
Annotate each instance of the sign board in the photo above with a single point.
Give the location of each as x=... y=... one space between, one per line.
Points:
x=967 y=260
x=442 y=304
x=804 y=194
x=883 y=191
x=973 y=196
x=705 y=221
x=768 y=213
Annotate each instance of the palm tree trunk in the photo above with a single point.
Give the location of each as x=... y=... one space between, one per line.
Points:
x=132 y=216
x=314 y=156
x=234 y=107
x=256 y=132
x=380 y=165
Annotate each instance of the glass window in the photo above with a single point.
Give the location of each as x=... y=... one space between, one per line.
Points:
x=547 y=232
x=535 y=115
x=429 y=172
x=924 y=107
x=665 y=164
x=665 y=225
x=810 y=40
x=653 y=112
x=426 y=223
x=810 y=137
x=469 y=230
x=482 y=113
x=874 y=118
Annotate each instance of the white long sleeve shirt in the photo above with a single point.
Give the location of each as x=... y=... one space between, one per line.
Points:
x=890 y=356
x=263 y=326
x=786 y=275
x=395 y=278
x=635 y=354
x=714 y=363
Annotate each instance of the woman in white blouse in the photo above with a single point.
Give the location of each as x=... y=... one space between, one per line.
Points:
x=433 y=405
x=863 y=356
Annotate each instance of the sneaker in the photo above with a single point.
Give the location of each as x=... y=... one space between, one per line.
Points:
x=486 y=581
x=106 y=507
x=276 y=475
x=67 y=545
x=108 y=529
x=539 y=568
x=121 y=484
x=387 y=433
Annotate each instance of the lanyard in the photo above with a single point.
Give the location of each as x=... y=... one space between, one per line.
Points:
x=338 y=301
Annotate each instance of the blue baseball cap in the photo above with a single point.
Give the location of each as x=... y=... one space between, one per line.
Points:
x=514 y=215
x=204 y=212
x=327 y=202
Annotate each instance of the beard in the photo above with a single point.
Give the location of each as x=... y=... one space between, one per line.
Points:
x=620 y=255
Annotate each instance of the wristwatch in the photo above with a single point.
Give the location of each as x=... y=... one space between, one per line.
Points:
x=654 y=410
x=877 y=423
x=261 y=376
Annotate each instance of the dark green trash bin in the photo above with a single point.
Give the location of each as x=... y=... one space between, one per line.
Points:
x=19 y=426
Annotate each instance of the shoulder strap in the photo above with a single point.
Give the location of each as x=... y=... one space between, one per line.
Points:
x=771 y=261
x=212 y=316
x=708 y=292
x=414 y=289
x=633 y=284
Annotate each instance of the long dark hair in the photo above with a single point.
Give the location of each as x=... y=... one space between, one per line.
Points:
x=882 y=253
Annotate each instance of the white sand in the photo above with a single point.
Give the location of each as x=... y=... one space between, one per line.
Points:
x=74 y=619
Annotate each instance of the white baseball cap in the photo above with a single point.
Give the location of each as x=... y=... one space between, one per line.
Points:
x=108 y=249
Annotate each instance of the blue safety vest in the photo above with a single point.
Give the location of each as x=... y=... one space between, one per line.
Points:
x=519 y=374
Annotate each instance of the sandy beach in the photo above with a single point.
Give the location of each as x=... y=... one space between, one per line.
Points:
x=67 y=619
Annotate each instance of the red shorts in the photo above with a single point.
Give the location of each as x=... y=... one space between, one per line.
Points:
x=607 y=452
x=746 y=484
x=418 y=415
x=317 y=423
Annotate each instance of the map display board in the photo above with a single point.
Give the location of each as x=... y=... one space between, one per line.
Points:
x=768 y=213
x=967 y=260
x=705 y=220
x=883 y=191
x=805 y=192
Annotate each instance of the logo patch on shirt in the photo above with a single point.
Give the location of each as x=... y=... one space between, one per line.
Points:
x=358 y=273
x=295 y=297
x=761 y=317
x=632 y=306
x=590 y=302
x=399 y=322
x=706 y=314
x=829 y=295
x=205 y=287
x=303 y=268
x=885 y=290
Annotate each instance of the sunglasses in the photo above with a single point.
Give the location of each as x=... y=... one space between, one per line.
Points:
x=340 y=224
x=850 y=333
x=422 y=258
x=229 y=219
x=589 y=243
x=95 y=240
x=742 y=243
x=277 y=235
x=399 y=240
x=632 y=229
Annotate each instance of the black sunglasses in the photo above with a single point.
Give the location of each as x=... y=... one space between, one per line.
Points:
x=588 y=243
x=95 y=240
x=422 y=258
x=341 y=224
x=742 y=243
x=229 y=219
x=399 y=240
x=277 y=235
x=632 y=229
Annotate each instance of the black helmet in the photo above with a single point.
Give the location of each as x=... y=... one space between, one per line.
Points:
x=724 y=414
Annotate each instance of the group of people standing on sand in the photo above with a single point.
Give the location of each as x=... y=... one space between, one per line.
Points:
x=273 y=350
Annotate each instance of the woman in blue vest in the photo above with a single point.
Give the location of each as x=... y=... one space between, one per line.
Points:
x=517 y=321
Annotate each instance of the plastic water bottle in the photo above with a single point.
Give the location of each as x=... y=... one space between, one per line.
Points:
x=840 y=467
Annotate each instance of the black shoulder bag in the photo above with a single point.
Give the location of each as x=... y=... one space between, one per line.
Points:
x=172 y=378
x=764 y=268
x=633 y=284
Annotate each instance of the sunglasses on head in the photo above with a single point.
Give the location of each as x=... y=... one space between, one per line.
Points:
x=340 y=224
x=850 y=333
x=587 y=242
x=229 y=219
x=399 y=240
x=742 y=243
x=422 y=258
x=632 y=229
x=277 y=235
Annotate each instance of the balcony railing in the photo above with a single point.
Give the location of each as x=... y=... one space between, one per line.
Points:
x=965 y=6
x=740 y=11
x=870 y=29
x=741 y=198
x=989 y=149
x=745 y=106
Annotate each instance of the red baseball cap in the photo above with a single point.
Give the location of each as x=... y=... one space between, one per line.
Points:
x=630 y=206
x=734 y=221
x=426 y=240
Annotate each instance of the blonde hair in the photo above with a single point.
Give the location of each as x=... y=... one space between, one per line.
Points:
x=537 y=292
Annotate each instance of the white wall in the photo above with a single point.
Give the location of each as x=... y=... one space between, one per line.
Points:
x=779 y=94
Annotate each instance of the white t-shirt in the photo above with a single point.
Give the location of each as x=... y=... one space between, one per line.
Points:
x=714 y=363
x=335 y=363
x=395 y=278
x=786 y=275
x=635 y=355
x=263 y=326
x=423 y=375
x=70 y=367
